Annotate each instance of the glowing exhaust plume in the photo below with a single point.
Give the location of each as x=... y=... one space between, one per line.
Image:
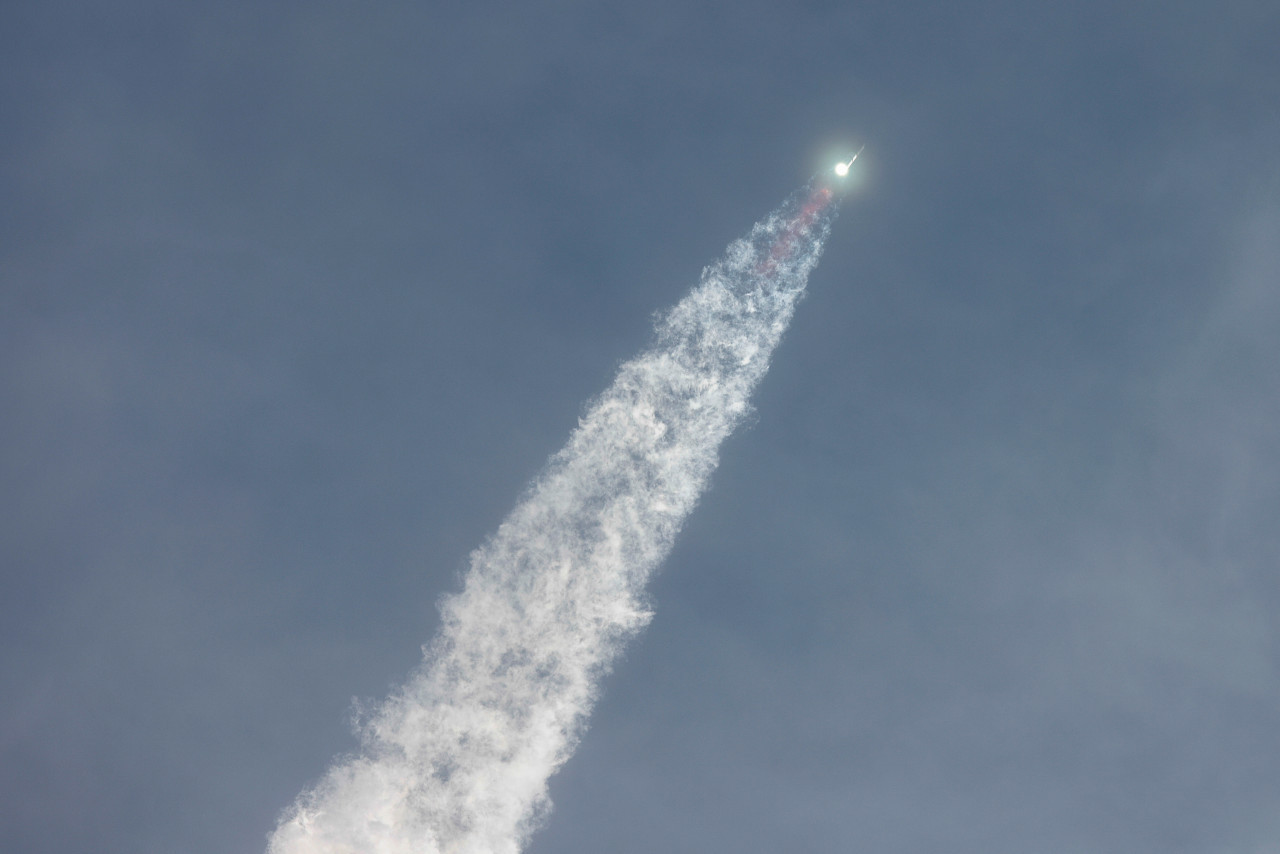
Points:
x=457 y=760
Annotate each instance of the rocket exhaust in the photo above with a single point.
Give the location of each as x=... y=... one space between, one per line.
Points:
x=457 y=759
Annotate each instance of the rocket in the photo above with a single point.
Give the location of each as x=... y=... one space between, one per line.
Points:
x=842 y=168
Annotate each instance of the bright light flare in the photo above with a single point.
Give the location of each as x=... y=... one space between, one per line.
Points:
x=842 y=168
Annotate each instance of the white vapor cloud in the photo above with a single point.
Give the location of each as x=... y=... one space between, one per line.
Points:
x=457 y=759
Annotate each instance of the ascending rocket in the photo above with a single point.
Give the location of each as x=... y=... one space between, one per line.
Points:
x=842 y=168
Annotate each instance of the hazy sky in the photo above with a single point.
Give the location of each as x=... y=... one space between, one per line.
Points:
x=295 y=301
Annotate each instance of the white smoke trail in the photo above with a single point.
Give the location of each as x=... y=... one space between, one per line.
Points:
x=457 y=760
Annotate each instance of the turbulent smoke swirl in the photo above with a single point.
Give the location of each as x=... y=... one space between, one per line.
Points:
x=456 y=761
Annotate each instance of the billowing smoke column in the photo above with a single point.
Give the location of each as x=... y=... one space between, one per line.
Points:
x=457 y=760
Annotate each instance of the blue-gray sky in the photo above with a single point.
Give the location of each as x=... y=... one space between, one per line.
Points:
x=294 y=301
